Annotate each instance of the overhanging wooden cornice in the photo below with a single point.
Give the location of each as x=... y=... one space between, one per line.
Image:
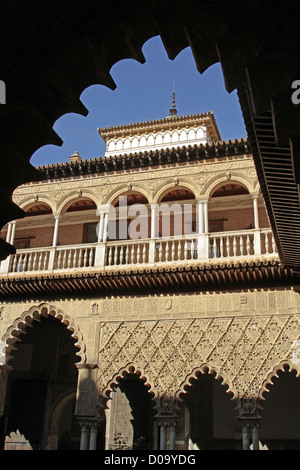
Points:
x=195 y=277
x=145 y=159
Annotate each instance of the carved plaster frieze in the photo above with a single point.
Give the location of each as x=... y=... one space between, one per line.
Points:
x=243 y=351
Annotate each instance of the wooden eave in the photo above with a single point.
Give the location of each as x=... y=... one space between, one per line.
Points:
x=104 y=165
x=195 y=277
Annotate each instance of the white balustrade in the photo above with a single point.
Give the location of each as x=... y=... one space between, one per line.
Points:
x=241 y=244
x=28 y=261
x=237 y=244
x=175 y=249
x=71 y=257
x=127 y=252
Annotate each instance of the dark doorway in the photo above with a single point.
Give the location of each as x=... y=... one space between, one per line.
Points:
x=43 y=371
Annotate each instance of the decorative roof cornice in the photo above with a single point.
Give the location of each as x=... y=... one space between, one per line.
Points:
x=161 y=123
x=129 y=161
x=206 y=276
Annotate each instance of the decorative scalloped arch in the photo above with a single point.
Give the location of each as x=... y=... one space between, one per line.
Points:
x=132 y=368
x=123 y=188
x=13 y=332
x=206 y=368
x=274 y=373
x=30 y=200
x=166 y=186
x=73 y=197
x=214 y=183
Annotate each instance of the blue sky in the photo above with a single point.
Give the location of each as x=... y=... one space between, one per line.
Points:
x=143 y=93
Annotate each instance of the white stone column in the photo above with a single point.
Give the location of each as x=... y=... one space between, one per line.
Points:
x=257 y=235
x=102 y=212
x=100 y=229
x=153 y=220
x=153 y=233
x=55 y=233
x=13 y=231
x=8 y=235
x=255 y=208
x=205 y=209
x=202 y=248
x=105 y=227
x=200 y=215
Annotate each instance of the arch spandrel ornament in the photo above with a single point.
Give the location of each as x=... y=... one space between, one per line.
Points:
x=12 y=335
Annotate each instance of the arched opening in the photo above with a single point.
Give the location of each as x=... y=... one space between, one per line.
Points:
x=208 y=417
x=129 y=217
x=131 y=415
x=230 y=208
x=280 y=416
x=43 y=372
x=177 y=213
x=78 y=222
x=35 y=230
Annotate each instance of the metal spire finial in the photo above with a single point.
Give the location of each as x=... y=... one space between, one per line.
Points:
x=173 y=110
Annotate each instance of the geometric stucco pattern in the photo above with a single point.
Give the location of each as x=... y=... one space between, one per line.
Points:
x=243 y=351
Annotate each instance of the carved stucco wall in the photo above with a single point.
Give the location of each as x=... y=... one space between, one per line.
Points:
x=200 y=178
x=242 y=336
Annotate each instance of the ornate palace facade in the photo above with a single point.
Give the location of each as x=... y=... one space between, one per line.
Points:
x=146 y=305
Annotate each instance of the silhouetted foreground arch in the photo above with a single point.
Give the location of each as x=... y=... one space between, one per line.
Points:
x=76 y=46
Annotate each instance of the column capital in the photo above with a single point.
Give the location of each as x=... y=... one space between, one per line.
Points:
x=103 y=209
x=254 y=195
x=202 y=200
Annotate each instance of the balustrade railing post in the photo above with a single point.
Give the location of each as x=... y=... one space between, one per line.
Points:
x=5 y=264
x=100 y=251
x=203 y=246
x=152 y=244
x=51 y=259
x=257 y=242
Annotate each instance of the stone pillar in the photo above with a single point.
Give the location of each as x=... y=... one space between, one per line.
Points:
x=255 y=209
x=162 y=436
x=172 y=436
x=102 y=211
x=255 y=436
x=245 y=436
x=202 y=238
x=249 y=420
x=8 y=235
x=86 y=405
x=205 y=209
x=93 y=436
x=200 y=211
x=167 y=423
x=100 y=230
x=55 y=234
x=105 y=227
x=13 y=231
x=153 y=221
x=167 y=419
x=257 y=241
x=153 y=234
x=84 y=436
